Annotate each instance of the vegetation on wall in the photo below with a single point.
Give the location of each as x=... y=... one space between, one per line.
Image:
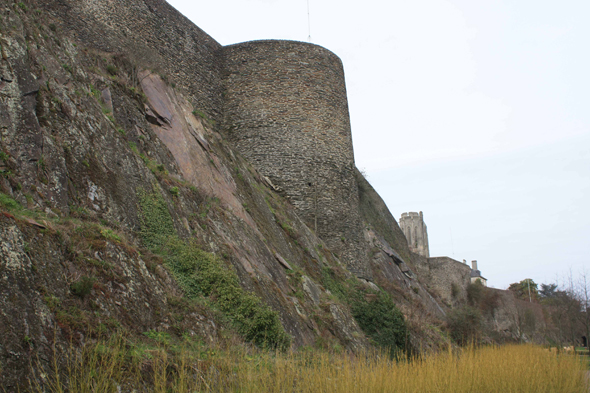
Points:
x=9 y=203
x=482 y=298
x=200 y=273
x=464 y=324
x=156 y=222
x=381 y=320
x=374 y=311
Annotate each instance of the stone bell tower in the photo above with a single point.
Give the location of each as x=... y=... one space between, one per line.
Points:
x=412 y=224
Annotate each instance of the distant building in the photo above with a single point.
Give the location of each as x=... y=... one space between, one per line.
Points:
x=476 y=275
x=414 y=228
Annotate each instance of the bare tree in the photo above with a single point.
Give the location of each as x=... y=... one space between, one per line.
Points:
x=563 y=304
x=583 y=294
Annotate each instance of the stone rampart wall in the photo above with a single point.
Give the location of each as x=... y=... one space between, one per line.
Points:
x=151 y=33
x=286 y=110
x=441 y=274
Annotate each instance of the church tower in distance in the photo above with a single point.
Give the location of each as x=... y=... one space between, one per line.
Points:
x=412 y=224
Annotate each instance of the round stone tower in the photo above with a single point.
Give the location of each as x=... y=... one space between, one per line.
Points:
x=286 y=110
x=414 y=228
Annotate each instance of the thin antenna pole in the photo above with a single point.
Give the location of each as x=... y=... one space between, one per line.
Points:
x=529 y=282
x=308 y=23
x=452 y=246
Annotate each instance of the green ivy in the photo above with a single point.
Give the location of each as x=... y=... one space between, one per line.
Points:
x=381 y=320
x=110 y=235
x=374 y=311
x=335 y=284
x=83 y=286
x=9 y=203
x=200 y=273
x=156 y=222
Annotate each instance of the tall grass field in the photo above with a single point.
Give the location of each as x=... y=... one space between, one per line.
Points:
x=118 y=367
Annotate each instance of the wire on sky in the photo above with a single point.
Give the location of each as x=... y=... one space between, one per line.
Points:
x=452 y=246
x=308 y=23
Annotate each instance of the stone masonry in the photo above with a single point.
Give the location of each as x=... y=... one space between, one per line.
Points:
x=414 y=228
x=447 y=277
x=286 y=110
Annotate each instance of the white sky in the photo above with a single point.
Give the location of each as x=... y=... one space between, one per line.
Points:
x=476 y=112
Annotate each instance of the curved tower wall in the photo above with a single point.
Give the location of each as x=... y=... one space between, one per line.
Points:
x=414 y=228
x=286 y=110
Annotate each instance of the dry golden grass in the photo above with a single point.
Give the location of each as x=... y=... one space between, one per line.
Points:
x=511 y=368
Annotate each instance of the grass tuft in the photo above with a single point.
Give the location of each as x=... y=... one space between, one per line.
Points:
x=83 y=287
x=9 y=203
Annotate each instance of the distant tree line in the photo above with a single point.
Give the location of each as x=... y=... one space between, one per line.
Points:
x=555 y=313
x=566 y=307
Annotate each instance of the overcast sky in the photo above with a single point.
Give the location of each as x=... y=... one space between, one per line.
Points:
x=475 y=112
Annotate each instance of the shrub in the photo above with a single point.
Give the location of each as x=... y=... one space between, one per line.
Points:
x=110 y=235
x=381 y=320
x=483 y=298
x=133 y=147
x=8 y=203
x=335 y=283
x=464 y=324
x=52 y=302
x=455 y=290
x=112 y=70
x=376 y=314
x=490 y=302
x=159 y=337
x=156 y=221
x=475 y=293
x=83 y=286
x=200 y=114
